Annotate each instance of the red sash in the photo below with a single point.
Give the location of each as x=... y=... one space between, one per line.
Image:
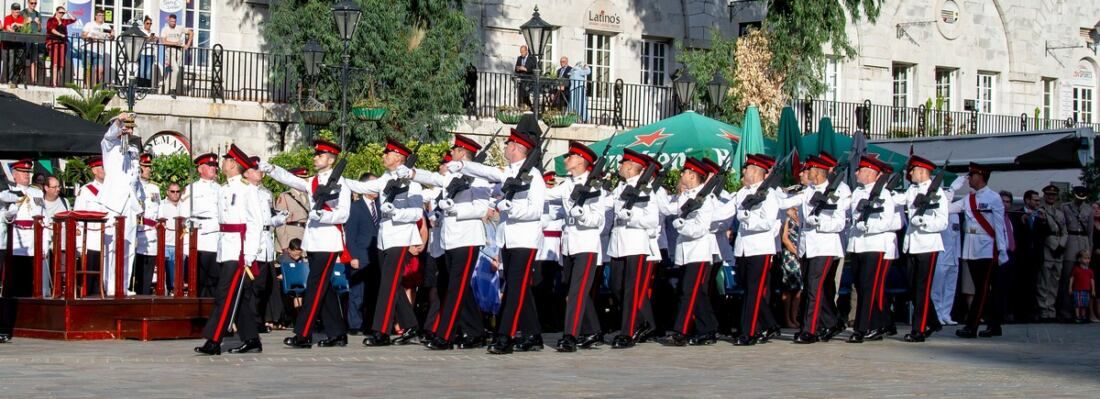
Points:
x=95 y=191
x=345 y=256
x=983 y=222
x=551 y=233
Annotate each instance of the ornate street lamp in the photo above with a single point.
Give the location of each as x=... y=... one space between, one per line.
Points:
x=132 y=42
x=684 y=85
x=716 y=89
x=313 y=55
x=347 y=14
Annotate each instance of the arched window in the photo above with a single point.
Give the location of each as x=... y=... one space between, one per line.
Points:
x=1083 y=92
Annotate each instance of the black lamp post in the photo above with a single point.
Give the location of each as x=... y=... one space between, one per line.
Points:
x=716 y=90
x=132 y=42
x=346 y=14
x=536 y=32
x=684 y=85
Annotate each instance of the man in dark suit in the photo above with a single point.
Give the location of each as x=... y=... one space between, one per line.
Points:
x=361 y=232
x=561 y=96
x=525 y=71
x=1031 y=230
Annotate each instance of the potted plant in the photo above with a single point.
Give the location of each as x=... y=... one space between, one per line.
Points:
x=315 y=112
x=555 y=118
x=509 y=115
x=369 y=109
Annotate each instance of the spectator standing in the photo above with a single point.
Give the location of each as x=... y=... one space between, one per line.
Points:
x=145 y=70
x=13 y=22
x=1078 y=216
x=96 y=34
x=175 y=40
x=1031 y=234
x=361 y=234
x=293 y=202
x=169 y=210
x=791 y=288
x=525 y=70
x=32 y=16
x=1081 y=282
x=1047 y=288
x=57 y=39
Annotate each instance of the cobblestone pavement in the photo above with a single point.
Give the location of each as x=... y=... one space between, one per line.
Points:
x=1047 y=360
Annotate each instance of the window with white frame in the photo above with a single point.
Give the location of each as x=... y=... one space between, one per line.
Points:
x=654 y=57
x=1049 y=97
x=1083 y=103
x=549 y=61
x=901 y=76
x=200 y=19
x=986 y=88
x=832 y=79
x=597 y=53
x=945 y=88
x=132 y=11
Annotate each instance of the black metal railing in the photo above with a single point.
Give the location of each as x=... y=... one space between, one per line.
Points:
x=216 y=73
x=889 y=122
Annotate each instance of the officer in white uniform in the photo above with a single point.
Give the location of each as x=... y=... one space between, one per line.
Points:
x=265 y=287
x=695 y=247
x=520 y=232
x=199 y=205
x=24 y=203
x=927 y=218
x=146 y=260
x=633 y=243
x=985 y=248
x=240 y=218
x=402 y=210
x=122 y=195
x=89 y=240
x=755 y=248
x=872 y=244
x=324 y=241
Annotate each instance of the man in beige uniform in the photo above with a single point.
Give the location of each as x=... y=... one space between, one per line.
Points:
x=1053 y=250
x=1078 y=217
x=293 y=203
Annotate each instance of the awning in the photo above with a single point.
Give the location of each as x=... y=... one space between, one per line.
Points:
x=1019 y=181
x=1046 y=149
x=31 y=130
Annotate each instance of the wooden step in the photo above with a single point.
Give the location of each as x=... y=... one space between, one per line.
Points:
x=150 y=328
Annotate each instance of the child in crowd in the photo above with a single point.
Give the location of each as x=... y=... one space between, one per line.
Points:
x=1084 y=289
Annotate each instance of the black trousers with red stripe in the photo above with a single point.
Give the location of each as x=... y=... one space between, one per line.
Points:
x=580 y=313
x=695 y=306
x=756 y=313
x=870 y=271
x=392 y=303
x=460 y=313
x=636 y=307
x=234 y=291
x=988 y=294
x=518 y=313
x=320 y=299
x=820 y=308
x=922 y=269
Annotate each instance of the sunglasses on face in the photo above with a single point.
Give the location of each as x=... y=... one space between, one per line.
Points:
x=173 y=191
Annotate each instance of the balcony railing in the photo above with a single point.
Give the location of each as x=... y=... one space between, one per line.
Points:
x=889 y=122
x=214 y=73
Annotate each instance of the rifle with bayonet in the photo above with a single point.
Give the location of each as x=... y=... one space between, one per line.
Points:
x=772 y=181
x=693 y=204
x=331 y=189
x=522 y=180
x=873 y=204
x=463 y=183
x=596 y=182
x=820 y=200
x=929 y=199
x=724 y=172
x=398 y=186
x=640 y=191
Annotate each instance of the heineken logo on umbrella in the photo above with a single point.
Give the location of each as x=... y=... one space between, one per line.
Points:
x=649 y=139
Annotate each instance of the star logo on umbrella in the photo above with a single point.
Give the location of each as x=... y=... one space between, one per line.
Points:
x=723 y=133
x=649 y=139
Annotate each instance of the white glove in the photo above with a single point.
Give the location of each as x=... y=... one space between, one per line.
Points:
x=454 y=167
x=678 y=223
x=9 y=197
x=279 y=219
x=504 y=205
x=432 y=217
x=576 y=211
x=742 y=214
x=918 y=221
x=388 y=208
x=446 y=204
x=958 y=183
x=266 y=167
x=861 y=226
x=812 y=220
x=1002 y=257
x=624 y=214
x=403 y=172
x=248 y=261
x=315 y=215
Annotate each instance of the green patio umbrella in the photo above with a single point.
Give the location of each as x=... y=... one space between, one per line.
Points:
x=752 y=140
x=686 y=134
x=789 y=138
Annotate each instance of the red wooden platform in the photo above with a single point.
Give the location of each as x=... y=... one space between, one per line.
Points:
x=136 y=317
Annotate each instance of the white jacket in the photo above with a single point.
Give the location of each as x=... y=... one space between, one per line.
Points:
x=877 y=235
x=239 y=203
x=521 y=226
x=580 y=234
x=23 y=213
x=461 y=226
x=821 y=234
x=87 y=199
x=200 y=203
x=397 y=228
x=922 y=234
x=759 y=227
x=978 y=244
x=146 y=227
x=636 y=235
x=320 y=235
x=694 y=241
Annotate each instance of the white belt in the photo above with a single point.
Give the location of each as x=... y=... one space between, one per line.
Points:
x=977 y=231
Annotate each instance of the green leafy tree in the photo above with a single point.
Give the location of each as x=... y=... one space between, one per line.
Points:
x=367 y=159
x=704 y=63
x=415 y=51
x=174 y=168
x=90 y=104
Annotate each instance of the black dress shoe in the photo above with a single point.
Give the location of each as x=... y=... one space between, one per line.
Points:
x=805 y=338
x=642 y=333
x=966 y=332
x=532 y=343
x=426 y=337
x=990 y=332
x=298 y=341
x=703 y=339
x=439 y=344
x=471 y=342
x=746 y=341
x=567 y=343
x=406 y=336
x=209 y=348
x=502 y=346
x=4 y=338
x=676 y=339
x=890 y=331
x=590 y=341
x=914 y=337
x=875 y=335
x=341 y=340
x=622 y=342
x=772 y=332
x=377 y=339
x=855 y=338
x=263 y=329
x=832 y=332
x=250 y=345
